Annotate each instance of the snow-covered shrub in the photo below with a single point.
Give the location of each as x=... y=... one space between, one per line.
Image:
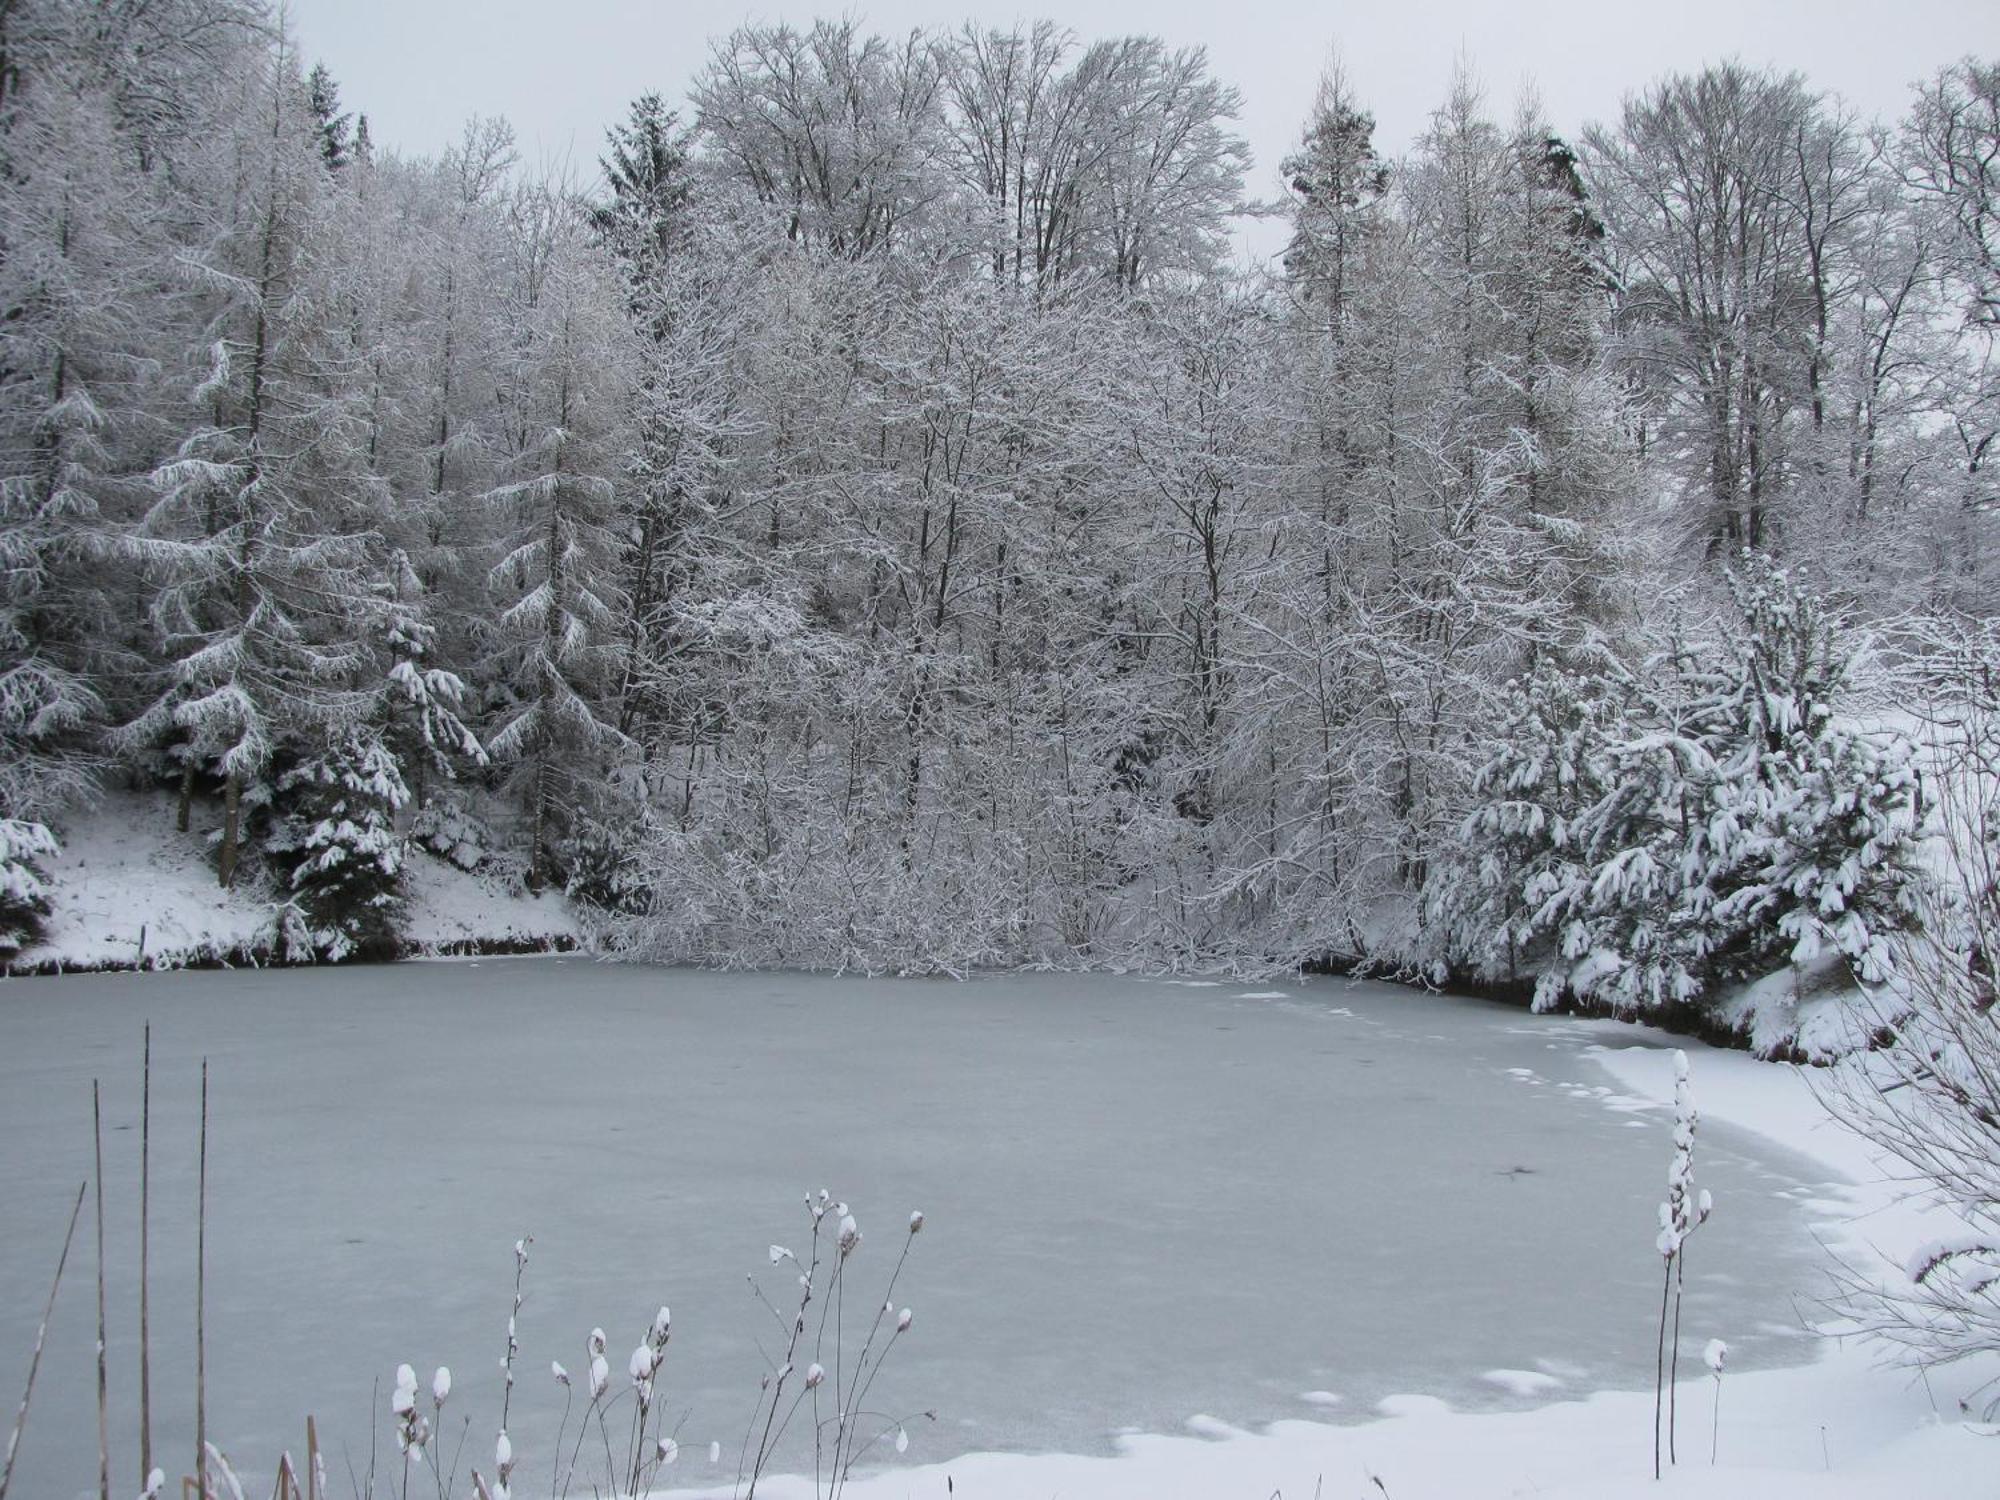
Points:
x=1711 y=816
x=601 y=868
x=24 y=899
x=1546 y=771
x=336 y=846
x=1806 y=841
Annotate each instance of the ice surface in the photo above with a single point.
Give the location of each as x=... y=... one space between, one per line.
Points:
x=1142 y=1201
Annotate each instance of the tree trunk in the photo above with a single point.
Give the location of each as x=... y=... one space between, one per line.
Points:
x=232 y=814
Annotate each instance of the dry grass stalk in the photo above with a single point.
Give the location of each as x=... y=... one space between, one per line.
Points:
x=145 y=1190
x=41 y=1335
x=201 y=1302
x=103 y=1388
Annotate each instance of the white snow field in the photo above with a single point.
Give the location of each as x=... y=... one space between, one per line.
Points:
x=1179 y=1240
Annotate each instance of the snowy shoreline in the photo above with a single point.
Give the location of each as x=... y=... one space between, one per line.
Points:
x=130 y=893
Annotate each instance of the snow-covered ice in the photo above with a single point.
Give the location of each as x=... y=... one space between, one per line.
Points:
x=1141 y=1202
x=1522 y=1382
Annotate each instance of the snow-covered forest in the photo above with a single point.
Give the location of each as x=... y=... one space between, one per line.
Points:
x=874 y=521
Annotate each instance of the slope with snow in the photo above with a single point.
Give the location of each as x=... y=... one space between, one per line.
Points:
x=128 y=890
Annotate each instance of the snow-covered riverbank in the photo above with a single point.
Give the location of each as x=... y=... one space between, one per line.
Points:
x=129 y=891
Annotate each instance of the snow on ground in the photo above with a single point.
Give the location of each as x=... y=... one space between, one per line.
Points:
x=1836 y=1431
x=451 y=908
x=1817 y=1011
x=1843 y=1428
x=128 y=889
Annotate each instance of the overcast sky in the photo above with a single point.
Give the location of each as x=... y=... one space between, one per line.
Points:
x=562 y=70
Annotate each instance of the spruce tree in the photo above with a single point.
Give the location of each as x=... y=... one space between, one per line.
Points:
x=335 y=847
x=330 y=124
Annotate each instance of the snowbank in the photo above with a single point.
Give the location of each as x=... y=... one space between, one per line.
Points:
x=1815 y=1013
x=1825 y=1434
x=129 y=890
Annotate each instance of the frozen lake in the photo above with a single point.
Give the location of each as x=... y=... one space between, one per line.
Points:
x=1145 y=1200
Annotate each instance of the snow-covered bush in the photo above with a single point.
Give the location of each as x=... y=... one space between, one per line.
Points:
x=601 y=867
x=24 y=899
x=1546 y=772
x=1807 y=842
x=1711 y=816
x=336 y=846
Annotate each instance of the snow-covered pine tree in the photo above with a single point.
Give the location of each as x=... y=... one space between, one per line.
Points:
x=262 y=565
x=1739 y=819
x=567 y=395
x=1456 y=597
x=1615 y=909
x=330 y=123
x=1547 y=769
x=24 y=901
x=79 y=308
x=1552 y=392
x=1807 y=842
x=335 y=847
x=684 y=300
x=419 y=707
x=1338 y=182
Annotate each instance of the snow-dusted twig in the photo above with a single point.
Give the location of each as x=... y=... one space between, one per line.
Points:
x=513 y=1343
x=775 y=1384
x=217 y=1463
x=1715 y=1356
x=864 y=1372
x=1684 y=1211
x=837 y=1439
x=413 y=1431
